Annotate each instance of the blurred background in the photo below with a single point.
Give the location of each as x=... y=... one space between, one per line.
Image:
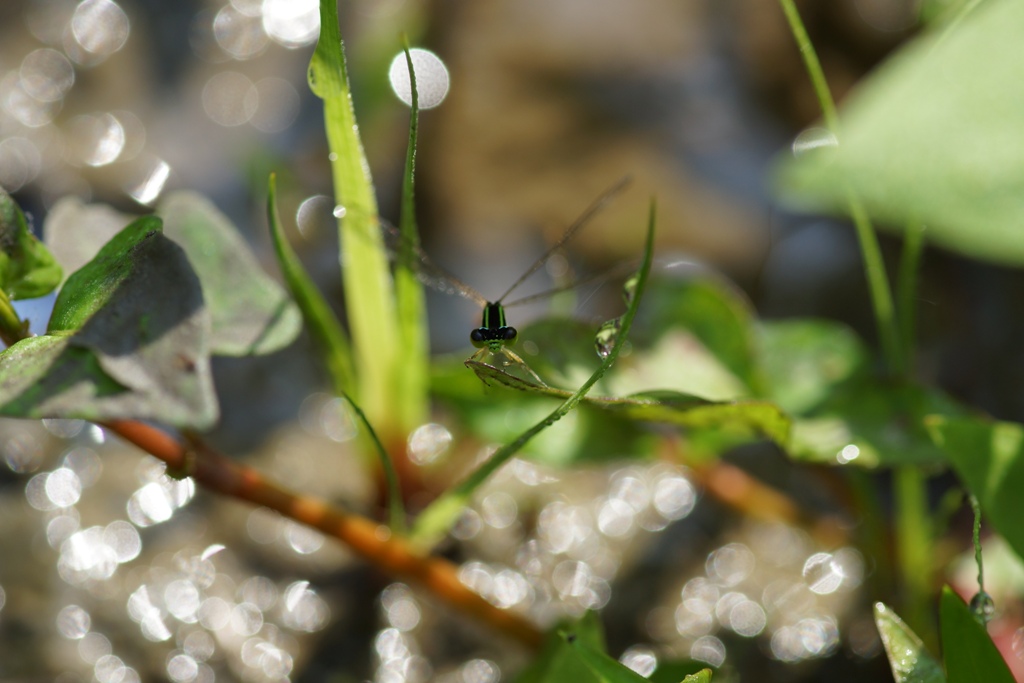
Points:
x=111 y=571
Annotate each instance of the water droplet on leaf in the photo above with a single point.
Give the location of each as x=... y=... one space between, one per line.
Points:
x=606 y=336
x=983 y=607
x=629 y=288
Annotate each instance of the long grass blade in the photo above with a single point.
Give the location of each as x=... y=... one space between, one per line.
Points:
x=412 y=375
x=366 y=273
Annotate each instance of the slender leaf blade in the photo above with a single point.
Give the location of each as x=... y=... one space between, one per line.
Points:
x=758 y=419
x=320 y=319
x=412 y=376
x=908 y=658
x=967 y=650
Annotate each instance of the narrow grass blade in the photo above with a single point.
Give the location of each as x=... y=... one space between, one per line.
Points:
x=435 y=521
x=334 y=345
x=323 y=325
x=411 y=381
x=366 y=276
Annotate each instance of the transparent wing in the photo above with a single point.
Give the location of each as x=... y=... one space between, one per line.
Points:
x=436 y=277
x=427 y=272
x=615 y=271
x=587 y=214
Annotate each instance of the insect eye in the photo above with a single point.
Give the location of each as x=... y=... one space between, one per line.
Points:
x=477 y=337
x=509 y=333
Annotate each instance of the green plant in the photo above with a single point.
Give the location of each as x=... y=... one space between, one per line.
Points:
x=137 y=321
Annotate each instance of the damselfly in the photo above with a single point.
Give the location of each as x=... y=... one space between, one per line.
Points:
x=495 y=335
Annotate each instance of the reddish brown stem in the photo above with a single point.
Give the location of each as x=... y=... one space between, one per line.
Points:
x=365 y=537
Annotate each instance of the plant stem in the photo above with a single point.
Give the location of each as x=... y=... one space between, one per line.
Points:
x=874 y=266
x=372 y=541
x=976 y=537
x=813 y=66
x=913 y=532
x=12 y=329
x=910 y=261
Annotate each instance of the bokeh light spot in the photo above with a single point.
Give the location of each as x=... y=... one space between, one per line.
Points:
x=432 y=81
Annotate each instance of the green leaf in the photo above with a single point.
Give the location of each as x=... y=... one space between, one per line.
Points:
x=677 y=360
x=686 y=670
x=702 y=676
x=751 y=418
x=804 y=361
x=989 y=458
x=75 y=230
x=27 y=269
x=250 y=313
x=605 y=668
x=95 y=284
x=557 y=662
x=127 y=339
x=366 y=275
x=967 y=650
x=42 y=377
x=910 y=661
x=936 y=136
x=715 y=314
x=873 y=422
